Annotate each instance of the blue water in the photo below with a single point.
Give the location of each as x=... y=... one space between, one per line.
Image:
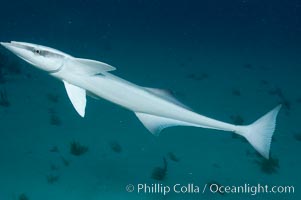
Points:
x=229 y=60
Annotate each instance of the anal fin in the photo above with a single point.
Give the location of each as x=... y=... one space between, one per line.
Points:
x=155 y=124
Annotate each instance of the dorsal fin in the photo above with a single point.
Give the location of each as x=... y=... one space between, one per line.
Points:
x=166 y=94
x=88 y=67
x=77 y=97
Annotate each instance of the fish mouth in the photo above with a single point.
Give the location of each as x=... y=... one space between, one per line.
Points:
x=18 y=48
x=19 y=45
x=27 y=52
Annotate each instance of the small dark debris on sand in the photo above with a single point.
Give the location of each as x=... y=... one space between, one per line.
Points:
x=54 y=167
x=115 y=146
x=65 y=161
x=78 y=149
x=51 y=179
x=237 y=119
x=173 y=157
x=4 y=102
x=55 y=120
x=297 y=136
x=269 y=166
x=54 y=98
x=236 y=92
x=23 y=196
x=283 y=100
x=198 y=77
x=159 y=173
x=286 y=104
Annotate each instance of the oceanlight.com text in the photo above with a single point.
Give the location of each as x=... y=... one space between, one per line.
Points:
x=249 y=189
x=214 y=188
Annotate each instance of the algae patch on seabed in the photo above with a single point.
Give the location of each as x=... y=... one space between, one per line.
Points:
x=78 y=149
x=54 y=119
x=159 y=173
x=268 y=166
x=51 y=179
x=237 y=119
x=283 y=100
x=53 y=98
x=23 y=196
x=115 y=147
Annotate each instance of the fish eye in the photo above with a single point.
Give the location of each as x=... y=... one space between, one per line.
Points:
x=37 y=51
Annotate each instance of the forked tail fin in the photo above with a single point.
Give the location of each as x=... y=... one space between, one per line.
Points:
x=259 y=134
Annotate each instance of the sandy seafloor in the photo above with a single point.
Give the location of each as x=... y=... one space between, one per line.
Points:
x=218 y=69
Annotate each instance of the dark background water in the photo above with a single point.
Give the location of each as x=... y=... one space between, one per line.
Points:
x=230 y=60
x=275 y=21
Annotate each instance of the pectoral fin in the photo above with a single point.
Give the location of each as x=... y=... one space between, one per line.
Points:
x=96 y=65
x=155 y=124
x=88 y=67
x=77 y=97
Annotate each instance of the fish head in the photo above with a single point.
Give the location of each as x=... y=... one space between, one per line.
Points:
x=42 y=57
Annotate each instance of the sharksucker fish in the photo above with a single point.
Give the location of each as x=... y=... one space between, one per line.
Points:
x=155 y=108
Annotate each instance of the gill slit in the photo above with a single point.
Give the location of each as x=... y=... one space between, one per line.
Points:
x=58 y=69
